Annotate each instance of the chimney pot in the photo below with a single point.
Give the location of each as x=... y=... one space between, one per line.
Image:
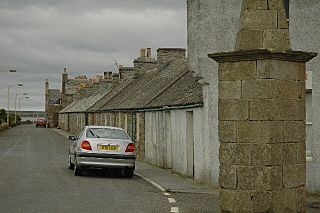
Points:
x=149 y=52
x=142 y=52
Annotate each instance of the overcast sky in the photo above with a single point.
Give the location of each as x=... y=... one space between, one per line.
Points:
x=39 y=38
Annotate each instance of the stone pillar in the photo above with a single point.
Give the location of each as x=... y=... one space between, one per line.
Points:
x=262 y=115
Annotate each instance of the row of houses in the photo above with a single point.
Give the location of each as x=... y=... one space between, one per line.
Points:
x=161 y=109
x=169 y=104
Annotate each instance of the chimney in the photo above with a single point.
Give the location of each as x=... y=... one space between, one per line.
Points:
x=167 y=55
x=126 y=72
x=115 y=78
x=148 y=52
x=64 y=80
x=142 y=53
x=143 y=63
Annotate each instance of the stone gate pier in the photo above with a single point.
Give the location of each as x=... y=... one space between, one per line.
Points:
x=262 y=115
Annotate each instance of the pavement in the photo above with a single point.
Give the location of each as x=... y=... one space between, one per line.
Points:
x=167 y=181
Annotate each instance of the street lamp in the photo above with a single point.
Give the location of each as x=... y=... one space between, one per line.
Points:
x=8 y=70
x=8 y=113
x=15 y=104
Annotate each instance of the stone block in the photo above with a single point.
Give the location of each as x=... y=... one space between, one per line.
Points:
x=294 y=176
x=233 y=71
x=253 y=131
x=257 y=89
x=294 y=131
x=227 y=131
x=261 y=154
x=236 y=201
x=254 y=178
x=286 y=89
x=287 y=110
x=227 y=153
x=276 y=177
x=300 y=70
x=289 y=153
x=258 y=19
x=243 y=201
x=276 y=4
x=243 y=154
x=283 y=200
x=262 y=201
x=301 y=197
x=255 y=4
x=229 y=89
x=227 y=200
x=228 y=177
x=302 y=90
x=282 y=19
x=276 y=39
x=249 y=39
x=277 y=130
x=276 y=154
x=282 y=70
x=301 y=153
x=259 y=110
x=233 y=110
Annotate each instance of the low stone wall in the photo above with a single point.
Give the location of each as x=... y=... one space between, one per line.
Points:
x=3 y=127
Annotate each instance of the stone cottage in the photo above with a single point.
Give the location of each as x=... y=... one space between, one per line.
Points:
x=52 y=105
x=160 y=105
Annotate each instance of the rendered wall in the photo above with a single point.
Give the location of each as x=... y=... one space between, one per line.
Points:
x=304 y=32
x=166 y=143
x=212 y=27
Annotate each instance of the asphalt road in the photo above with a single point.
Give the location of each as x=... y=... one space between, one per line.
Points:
x=34 y=178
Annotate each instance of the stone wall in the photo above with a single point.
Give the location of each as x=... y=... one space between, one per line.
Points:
x=3 y=127
x=166 y=55
x=262 y=136
x=52 y=115
x=212 y=27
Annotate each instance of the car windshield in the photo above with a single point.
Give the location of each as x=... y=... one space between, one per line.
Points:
x=106 y=133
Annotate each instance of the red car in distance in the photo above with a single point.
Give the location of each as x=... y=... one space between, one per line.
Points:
x=41 y=122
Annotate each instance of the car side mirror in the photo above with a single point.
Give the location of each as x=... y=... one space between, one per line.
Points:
x=72 y=138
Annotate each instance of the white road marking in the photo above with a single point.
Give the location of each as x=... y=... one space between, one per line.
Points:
x=174 y=209
x=166 y=194
x=152 y=182
x=171 y=200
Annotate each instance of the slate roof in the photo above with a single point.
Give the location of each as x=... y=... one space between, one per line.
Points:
x=172 y=86
x=83 y=104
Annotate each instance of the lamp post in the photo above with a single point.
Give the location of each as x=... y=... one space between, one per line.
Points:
x=15 y=104
x=8 y=113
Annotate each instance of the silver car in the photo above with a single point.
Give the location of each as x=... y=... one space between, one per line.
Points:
x=102 y=147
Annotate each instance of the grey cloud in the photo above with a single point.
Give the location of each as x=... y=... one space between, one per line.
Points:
x=39 y=38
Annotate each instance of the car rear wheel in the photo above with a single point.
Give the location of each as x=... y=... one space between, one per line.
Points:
x=77 y=170
x=70 y=164
x=128 y=173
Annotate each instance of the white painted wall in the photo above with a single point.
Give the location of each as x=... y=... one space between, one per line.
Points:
x=212 y=28
x=167 y=144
